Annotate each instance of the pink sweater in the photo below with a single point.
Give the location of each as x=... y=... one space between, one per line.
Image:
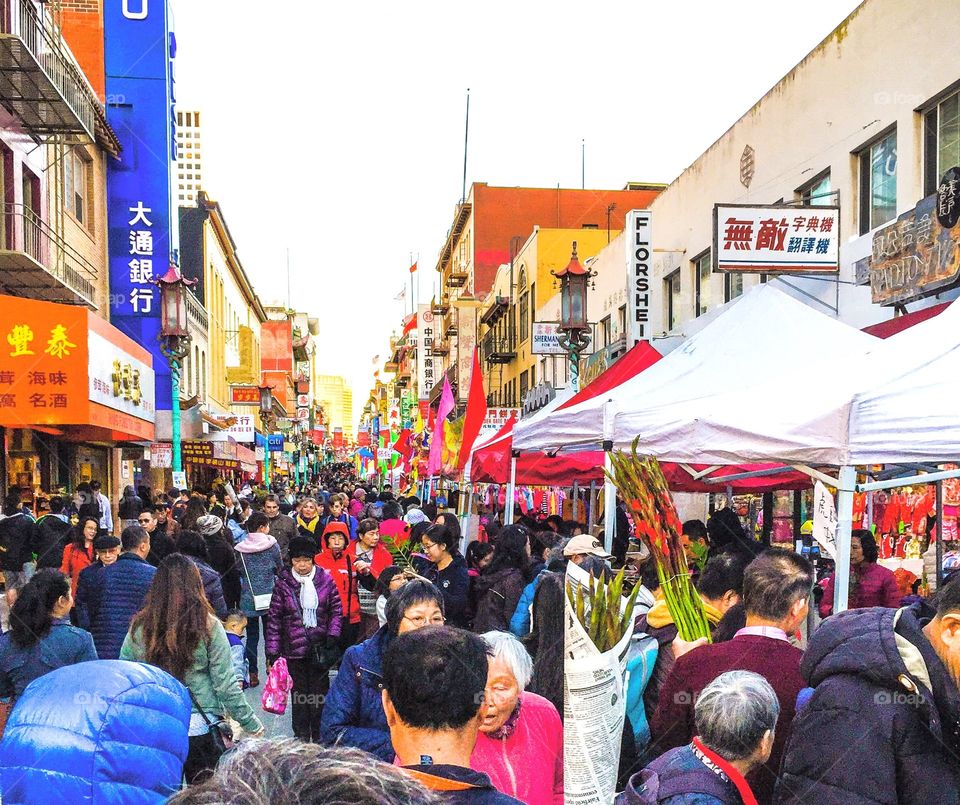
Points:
x=529 y=764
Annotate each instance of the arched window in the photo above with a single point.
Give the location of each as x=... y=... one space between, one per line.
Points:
x=196 y=371
x=203 y=375
x=524 y=306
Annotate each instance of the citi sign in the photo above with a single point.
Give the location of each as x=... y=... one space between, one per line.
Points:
x=136 y=9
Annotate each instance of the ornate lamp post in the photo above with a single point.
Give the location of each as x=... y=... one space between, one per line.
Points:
x=267 y=420
x=574 y=280
x=174 y=343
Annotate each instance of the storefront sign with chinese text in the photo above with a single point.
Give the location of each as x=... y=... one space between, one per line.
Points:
x=776 y=240
x=244 y=429
x=244 y=395
x=545 y=339
x=428 y=366
x=495 y=419
x=161 y=455
x=914 y=256
x=948 y=199
x=119 y=380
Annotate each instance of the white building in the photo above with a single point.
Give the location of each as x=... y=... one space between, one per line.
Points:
x=189 y=170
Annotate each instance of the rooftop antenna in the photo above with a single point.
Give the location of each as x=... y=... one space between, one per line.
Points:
x=288 y=278
x=583 y=164
x=466 y=135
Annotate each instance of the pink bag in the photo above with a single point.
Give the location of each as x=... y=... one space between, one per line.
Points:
x=278 y=685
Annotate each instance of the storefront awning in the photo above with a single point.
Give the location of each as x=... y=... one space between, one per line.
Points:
x=63 y=367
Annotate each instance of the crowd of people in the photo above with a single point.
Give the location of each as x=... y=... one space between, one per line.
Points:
x=426 y=670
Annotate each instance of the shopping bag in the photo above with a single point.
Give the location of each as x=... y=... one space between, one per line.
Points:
x=278 y=685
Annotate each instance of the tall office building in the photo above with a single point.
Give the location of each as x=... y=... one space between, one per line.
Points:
x=188 y=158
x=336 y=396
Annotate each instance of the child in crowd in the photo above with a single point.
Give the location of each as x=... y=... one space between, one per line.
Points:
x=235 y=625
x=390 y=580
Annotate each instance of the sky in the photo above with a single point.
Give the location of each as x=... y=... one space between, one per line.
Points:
x=336 y=130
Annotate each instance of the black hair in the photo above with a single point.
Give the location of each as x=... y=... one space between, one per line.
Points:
x=418 y=530
x=192 y=544
x=695 y=529
x=386 y=576
x=451 y=521
x=774 y=581
x=649 y=577
x=56 y=504
x=541 y=541
x=722 y=574
x=256 y=521
x=132 y=537
x=430 y=509
x=870 y=551
x=733 y=620
x=415 y=591
x=726 y=533
x=32 y=615
x=385 y=497
x=511 y=550
x=557 y=520
x=477 y=551
x=368 y=524
x=545 y=641
x=391 y=510
x=947 y=598
x=435 y=676
x=443 y=535
x=11 y=503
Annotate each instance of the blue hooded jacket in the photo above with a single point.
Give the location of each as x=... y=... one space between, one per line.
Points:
x=353 y=712
x=106 y=731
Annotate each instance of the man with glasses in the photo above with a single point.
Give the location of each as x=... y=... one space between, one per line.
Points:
x=160 y=543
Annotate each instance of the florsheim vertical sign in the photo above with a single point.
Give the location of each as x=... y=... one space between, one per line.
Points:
x=639 y=244
x=139 y=52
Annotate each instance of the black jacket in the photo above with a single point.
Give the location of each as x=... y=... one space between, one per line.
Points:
x=17 y=536
x=883 y=723
x=130 y=505
x=51 y=536
x=222 y=558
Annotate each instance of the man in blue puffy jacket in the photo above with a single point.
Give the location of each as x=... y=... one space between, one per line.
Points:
x=96 y=732
x=121 y=592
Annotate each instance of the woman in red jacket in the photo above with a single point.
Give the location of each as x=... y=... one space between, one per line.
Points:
x=335 y=559
x=79 y=554
x=370 y=559
x=871 y=585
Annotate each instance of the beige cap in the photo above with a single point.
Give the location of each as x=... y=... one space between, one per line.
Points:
x=585 y=544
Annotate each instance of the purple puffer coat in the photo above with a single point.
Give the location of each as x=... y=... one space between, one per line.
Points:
x=286 y=636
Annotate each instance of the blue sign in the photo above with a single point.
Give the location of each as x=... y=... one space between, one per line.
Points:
x=139 y=51
x=275 y=442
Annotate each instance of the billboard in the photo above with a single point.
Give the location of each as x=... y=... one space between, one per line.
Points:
x=139 y=51
x=766 y=239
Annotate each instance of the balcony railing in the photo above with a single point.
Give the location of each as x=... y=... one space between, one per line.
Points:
x=39 y=81
x=499 y=346
x=37 y=263
x=196 y=315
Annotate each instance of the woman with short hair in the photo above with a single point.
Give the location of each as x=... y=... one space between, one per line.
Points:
x=736 y=716
x=520 y=743
x=177 y=631
x=353 y=714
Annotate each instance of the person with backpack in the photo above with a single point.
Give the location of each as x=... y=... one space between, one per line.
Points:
x=736 y=716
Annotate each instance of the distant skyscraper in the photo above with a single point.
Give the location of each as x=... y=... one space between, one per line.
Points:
x=188 y=158
x=336 y=395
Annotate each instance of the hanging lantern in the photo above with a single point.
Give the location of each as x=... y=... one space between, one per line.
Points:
x=173 y=303
x=574 y=280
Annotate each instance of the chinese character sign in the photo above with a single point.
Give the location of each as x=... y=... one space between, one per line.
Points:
x=428 y=367
x=776 y=240
x=142 y=234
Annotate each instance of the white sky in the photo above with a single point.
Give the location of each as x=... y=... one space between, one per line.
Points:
x=336 y=129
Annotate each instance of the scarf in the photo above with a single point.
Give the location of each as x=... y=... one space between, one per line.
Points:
x=308 y=597
x=715 y=763
x=507 y=728
x=310 y=525
x=256 y=542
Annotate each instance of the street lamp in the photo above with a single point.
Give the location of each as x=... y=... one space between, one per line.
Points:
x=266 y=420
x=174 y=343
x=574 y=280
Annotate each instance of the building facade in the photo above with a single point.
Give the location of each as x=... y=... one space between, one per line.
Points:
x=189 y=163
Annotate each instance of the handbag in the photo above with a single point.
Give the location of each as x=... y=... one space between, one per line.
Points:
x=219 y=736
x=278 y=685
x=262 y=601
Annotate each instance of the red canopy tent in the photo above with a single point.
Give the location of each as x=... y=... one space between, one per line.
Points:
x=491 y=461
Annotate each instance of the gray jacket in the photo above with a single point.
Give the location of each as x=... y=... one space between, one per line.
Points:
x=257 y=569
x=283 y=529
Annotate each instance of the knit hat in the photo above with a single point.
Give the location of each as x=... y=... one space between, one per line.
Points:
x=302 y=547
x=359 y=494
x=336 y=527
x=209 y=524
x=415 y=516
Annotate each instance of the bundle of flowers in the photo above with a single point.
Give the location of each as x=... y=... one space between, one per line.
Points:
x=644 y=489
x=601 y=611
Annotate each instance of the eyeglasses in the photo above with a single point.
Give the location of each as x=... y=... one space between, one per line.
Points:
x=146 y=521
x=420 y=621
x=427 y=546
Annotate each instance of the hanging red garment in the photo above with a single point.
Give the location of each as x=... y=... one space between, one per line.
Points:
x=859 y=508
x=891 y=516
x=538 y=500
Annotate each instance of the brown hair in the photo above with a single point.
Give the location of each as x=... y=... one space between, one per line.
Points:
x=175 y=616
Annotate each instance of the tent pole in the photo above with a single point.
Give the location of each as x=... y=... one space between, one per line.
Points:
x=848 y=481
x=609 y=500
x=591 y=510
x=510 y=503
x=939 y=534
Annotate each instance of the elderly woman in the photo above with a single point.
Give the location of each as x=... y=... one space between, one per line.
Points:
x=871 y=584
x=353 y=714
x=520 y=745
x=735 y=716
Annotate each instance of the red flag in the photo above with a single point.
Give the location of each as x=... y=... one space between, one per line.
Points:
x=413 y=268
x=476 y=410
x=410 y=323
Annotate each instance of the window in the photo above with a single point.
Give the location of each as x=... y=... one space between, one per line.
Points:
x=878 y=183
x=702 y=272
x=941 y=141
x=533 y=304
x=524 y=316
x=671 y=291
x=524 y=386
x=76 y=183
x=533 y=376
x=732 y=285
x=622 y=320
x=605 y=332
x=817 y=192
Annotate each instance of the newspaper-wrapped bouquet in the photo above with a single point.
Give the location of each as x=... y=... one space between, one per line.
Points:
x=644 y=489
